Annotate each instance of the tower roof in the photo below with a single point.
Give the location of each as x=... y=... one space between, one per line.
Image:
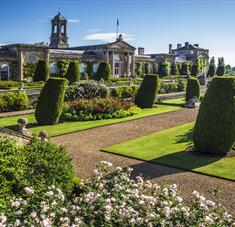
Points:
x=59 y=16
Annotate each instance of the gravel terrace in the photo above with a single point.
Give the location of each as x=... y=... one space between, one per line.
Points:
x=84 y=147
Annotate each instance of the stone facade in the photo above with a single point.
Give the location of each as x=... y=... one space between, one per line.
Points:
x=119 y=54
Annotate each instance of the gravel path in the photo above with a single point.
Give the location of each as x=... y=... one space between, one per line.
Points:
x=85 y=146
x=16 y=113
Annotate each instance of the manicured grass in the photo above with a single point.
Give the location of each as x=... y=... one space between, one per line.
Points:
x=168 y=148
x=68 y=127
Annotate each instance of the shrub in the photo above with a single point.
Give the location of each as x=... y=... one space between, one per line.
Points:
x=221 y=67
x=174 y=70
x=29 y=69
x=90 y=70
x=181 y=85
x=193 y=89
x=185 y=69
x=113 y=198
x=103 y=72
x=212 y=67
x=41 y=72
x=147 y=93
x=214 y=131
x=97 y=109
x=73 y=73
x=63 y=66
x=139 y=72
x=8 y=84
x=164 y=69
x=50 y=101
x=13 y=101
x=124 y=92
x=48 y=164
x=195 y=68
x=85 y=90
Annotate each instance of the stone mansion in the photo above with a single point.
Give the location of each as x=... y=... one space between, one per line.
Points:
x=119 y=54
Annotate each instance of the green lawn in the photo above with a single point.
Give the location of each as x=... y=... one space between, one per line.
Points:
x=68 y=127
x=168 y=148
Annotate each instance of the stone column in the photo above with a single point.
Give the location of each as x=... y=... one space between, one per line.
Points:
x=107 y=57
x=20 y=65
x=128 y=65
x=112 y=63
x=132 y=65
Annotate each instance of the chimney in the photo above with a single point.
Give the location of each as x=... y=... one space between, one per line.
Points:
x=186 y=45
x=140 y=51
x=196 y=45
x=170 y=48
x=178 y=45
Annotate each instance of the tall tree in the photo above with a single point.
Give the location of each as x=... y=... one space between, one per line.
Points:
x=174 y=70
x=221 y=67
x=212 y=67
x=195 y=68
x=164 y=69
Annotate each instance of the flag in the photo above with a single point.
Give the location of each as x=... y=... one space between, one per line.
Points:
x=117 y=22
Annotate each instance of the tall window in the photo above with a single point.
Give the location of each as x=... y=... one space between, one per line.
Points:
x=83 y=67
x=54 y=68
x=62 y=28
x=55 y=29
x=4 y=72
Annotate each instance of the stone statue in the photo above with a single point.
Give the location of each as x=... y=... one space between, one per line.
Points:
x=43 y=136
x=22 y=123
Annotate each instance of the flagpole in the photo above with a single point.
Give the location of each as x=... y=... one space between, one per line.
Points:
x=117 y=29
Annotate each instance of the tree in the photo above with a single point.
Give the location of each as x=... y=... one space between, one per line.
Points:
x=90 y=70
x=214 y=131
x=195 y=68
x=164 y=69
x=73 y=73
x=212 y=67
x=63 y=66
x=193 y=89
x=103 y=72
x=146 y=68
x=174 y=70
x=228 y=68
x=221 y=67
x=147 y=93
x=41 y=72
x=185 y=69
x=138 y=69
x=50 y=101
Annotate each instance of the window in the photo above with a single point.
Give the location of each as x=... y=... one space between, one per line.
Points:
x=83 y=68
x=4 y=72
x=54 y=68
x=55 y=29
x=95 y=67
x=62 y=28
x=31 y=58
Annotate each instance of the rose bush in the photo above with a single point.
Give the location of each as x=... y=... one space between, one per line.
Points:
x=112 y=198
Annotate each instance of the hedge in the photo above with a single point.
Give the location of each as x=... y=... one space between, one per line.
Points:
x=41 y=72
x=192 y=89
x=73 y=73
x=147 y=93
x=50 y=101
x=103 y=72
x=214 y=131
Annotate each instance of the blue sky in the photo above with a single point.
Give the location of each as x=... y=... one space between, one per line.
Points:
x=152 y=24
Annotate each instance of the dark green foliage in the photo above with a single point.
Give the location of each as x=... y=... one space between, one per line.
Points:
x=49 y=164
x=13 y=101
x=147 y=93
x=90 y=70
x=29 y=69
x=214 y=131
x=63 y=67
x=164 y=69
x=221 y=67
x=73 y=73
x=139 y=69
x=212 y=67
x=193 y=89
x=50 y=101
x=103 y=72
x=195 y=68
x=185 y=69
x=146 y=68
x=174 y=70
x=42 y=71
x=124 y=92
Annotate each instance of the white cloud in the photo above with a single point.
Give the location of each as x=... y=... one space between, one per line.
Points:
x=107 y=37
x=73 y=20
x=93 y=30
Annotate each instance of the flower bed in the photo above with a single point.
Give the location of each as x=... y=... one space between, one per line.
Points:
x=97 y=109
x=112 y=198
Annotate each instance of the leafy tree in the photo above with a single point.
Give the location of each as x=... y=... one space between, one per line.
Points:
x=103 y=72
x=147 y=93
x=164 y=69
x=174 y=69
x=73 y=73
x=214 y=131
x=221 y=67
x=139 y=69
x=90 y=70
x=146 y=68
x=228 y=68
x=193 y=89
x=41 y=72
x=212 y=67
x=195 y=68
x=185 y=70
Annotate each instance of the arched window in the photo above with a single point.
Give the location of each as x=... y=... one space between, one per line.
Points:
x=4 y=72
x=54 y=68
x=55 y=29
x=83 y=68
x=31 y=58
x=62 y=28
x=95 y=67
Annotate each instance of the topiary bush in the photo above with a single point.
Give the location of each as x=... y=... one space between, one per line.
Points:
x=42 y=71
x=73 y=73
x=214 y=131
x=147 y=93
x=193 y=89
x=50 y=101
x=103 y=72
